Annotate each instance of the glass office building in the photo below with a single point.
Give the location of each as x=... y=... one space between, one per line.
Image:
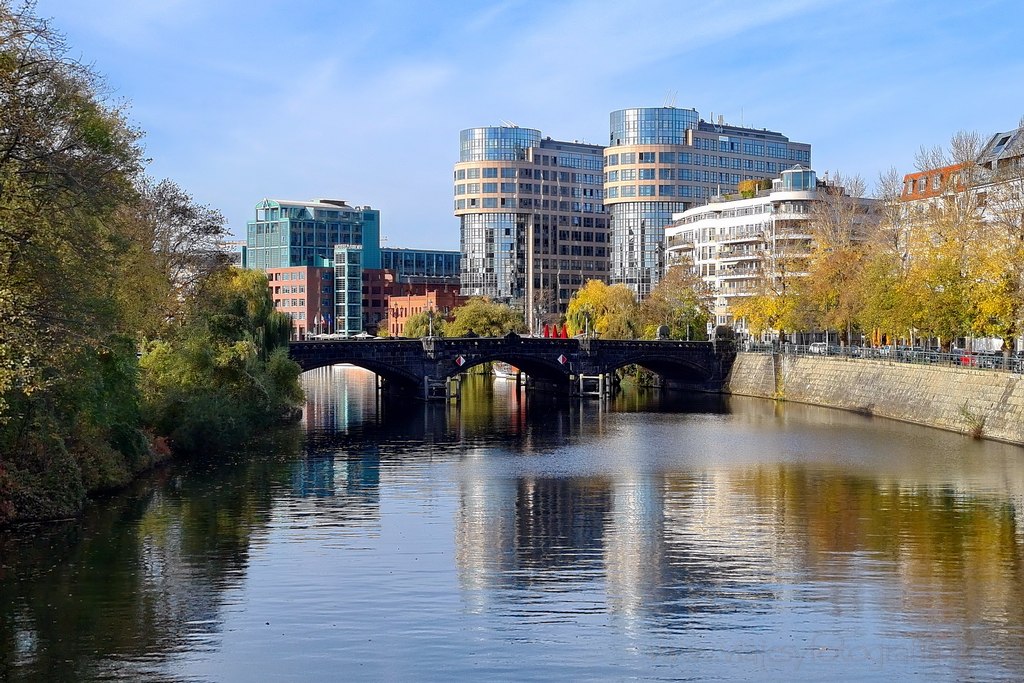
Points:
x=666 y=160
x=296 y=233
x=533 y=227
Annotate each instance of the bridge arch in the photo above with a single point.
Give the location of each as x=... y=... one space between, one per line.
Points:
x=674 y=369
x=536 y=368
x=400 y=378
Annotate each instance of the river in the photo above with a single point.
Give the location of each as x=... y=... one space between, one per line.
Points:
x=530 y=538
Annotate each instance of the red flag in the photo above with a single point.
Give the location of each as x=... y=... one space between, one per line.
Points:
x=547 y=333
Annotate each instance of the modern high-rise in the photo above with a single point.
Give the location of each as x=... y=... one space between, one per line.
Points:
x=532 y=221
x=665 y=160
x=298 y=233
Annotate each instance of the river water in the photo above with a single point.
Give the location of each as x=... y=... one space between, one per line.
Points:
x=525 y=537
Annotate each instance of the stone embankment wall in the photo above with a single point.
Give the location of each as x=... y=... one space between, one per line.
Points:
x=978 y=402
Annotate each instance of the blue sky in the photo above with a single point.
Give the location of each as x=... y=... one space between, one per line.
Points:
x=299 y=99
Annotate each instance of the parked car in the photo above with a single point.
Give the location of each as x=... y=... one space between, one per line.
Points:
x=989 y=359
x=818 y=347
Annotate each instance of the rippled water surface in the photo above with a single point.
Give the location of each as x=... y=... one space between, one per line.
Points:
x=515 y=537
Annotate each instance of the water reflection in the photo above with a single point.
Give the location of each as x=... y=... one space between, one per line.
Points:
x=601 y=539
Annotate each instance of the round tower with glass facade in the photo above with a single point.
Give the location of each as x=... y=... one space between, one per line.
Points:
x=665 y=160
x=532 y=221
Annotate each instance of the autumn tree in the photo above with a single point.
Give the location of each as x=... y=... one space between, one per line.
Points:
x=951 y=280
x=1005 y=203
x=611 y=311
x=831 y=295
x=681 y=301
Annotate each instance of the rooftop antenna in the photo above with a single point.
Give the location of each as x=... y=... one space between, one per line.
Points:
x=670 y=98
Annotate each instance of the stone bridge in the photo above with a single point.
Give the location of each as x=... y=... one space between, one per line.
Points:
x=425 y=366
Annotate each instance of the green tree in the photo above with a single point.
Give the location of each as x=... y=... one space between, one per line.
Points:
x=418 y=325
x=68 y=403
x=484 y=317
x=225 y=371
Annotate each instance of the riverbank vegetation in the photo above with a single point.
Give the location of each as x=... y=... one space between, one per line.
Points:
x=124 y=334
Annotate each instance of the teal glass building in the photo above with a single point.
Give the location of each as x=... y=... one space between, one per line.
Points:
x=297 y=233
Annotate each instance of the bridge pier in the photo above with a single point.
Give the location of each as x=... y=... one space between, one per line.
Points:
x=594 y=385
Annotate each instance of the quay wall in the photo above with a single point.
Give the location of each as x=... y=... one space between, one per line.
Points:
x=970 y=401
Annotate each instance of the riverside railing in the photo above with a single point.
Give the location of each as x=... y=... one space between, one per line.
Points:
x=898 y=354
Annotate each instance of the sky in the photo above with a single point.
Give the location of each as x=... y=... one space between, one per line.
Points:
x=304 y=99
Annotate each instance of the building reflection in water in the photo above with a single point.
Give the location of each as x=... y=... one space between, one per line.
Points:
x=933 y=541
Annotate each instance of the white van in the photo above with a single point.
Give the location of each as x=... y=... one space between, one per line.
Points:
x=818 y=347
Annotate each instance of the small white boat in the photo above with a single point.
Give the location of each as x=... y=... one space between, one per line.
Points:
x=503 y=370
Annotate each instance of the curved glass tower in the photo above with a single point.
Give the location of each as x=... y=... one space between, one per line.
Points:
x=532 y=221
x=664 y=160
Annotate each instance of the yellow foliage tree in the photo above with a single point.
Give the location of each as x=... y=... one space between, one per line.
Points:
x=609 y=310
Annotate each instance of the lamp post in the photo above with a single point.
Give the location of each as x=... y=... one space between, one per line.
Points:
x=430 y=322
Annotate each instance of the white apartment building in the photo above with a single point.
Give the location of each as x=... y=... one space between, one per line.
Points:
x=733 y=243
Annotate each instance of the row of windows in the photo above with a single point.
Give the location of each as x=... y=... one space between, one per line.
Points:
x=568 y=265
x=669 y=190
x=289 y=302
x=695 y=160
x=528 y=188
x=757 y=149
x=539 y=174
x=525 y=203
x=303 y=213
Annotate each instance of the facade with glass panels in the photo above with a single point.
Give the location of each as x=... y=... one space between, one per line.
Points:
x=437 y=264
x=296 y=233
x=348 y=289
x=533 y=227
x=666 y=160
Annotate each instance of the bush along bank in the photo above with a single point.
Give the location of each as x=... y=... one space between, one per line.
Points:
x=206 y=387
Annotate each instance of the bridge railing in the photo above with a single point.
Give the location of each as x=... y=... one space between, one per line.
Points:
x=899 y=354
